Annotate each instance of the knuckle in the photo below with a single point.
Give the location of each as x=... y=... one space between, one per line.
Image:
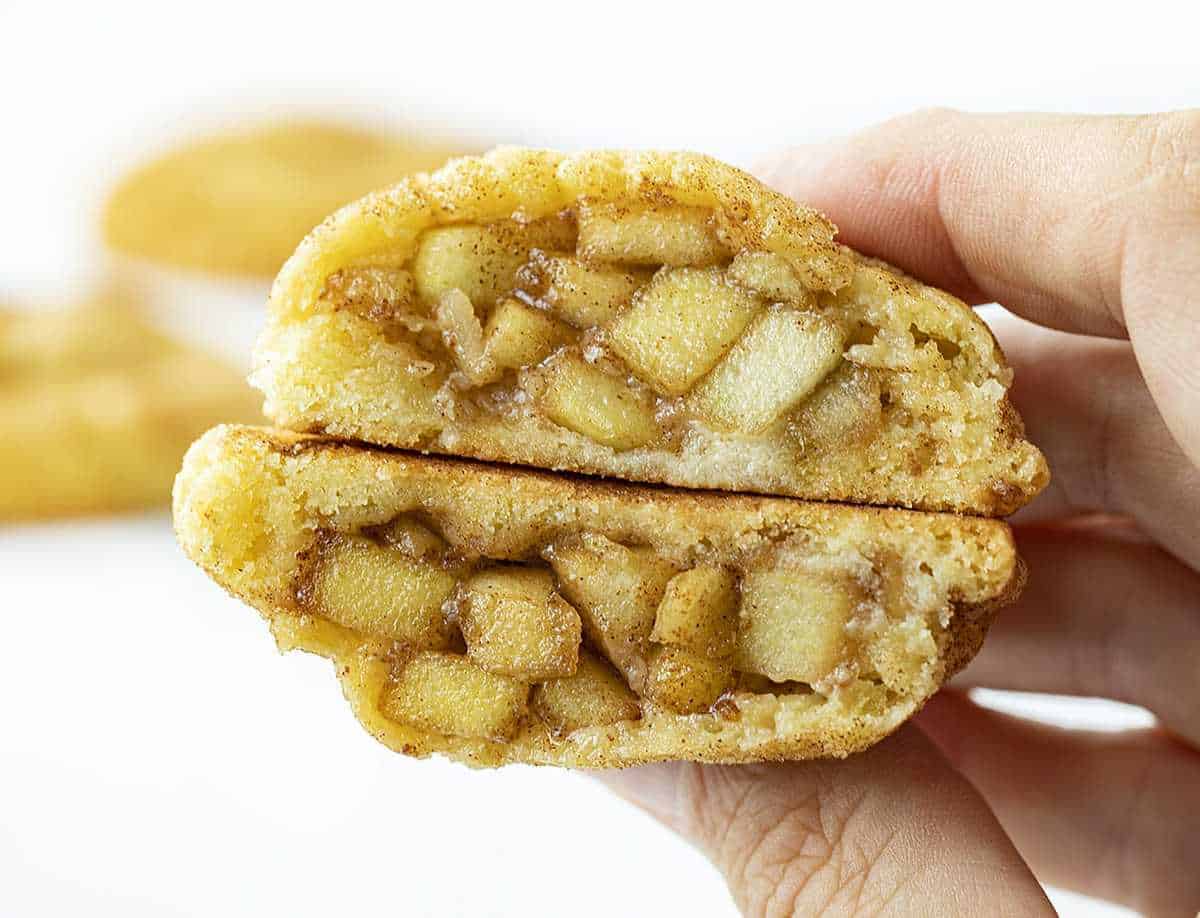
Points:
x=927 y=119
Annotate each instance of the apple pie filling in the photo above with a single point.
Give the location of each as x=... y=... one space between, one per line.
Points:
x=586 y=631
x=638 y=341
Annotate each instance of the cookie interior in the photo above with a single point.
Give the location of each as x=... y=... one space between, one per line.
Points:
x=499 y=615
x=658 y=329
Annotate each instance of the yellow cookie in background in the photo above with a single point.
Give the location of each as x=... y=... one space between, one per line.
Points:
x=239 y=203
x=97 y=409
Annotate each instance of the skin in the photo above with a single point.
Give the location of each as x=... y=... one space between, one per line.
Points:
x=1089 y=229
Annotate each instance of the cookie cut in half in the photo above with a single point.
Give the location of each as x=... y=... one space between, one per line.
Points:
x=651 y=317
x=497 y=615
x=97 y=408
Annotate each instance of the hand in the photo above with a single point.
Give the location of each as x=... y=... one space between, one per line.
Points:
x=1090 y=226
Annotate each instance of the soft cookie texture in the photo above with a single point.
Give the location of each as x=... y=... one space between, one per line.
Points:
x=97 y=409
x=497 y=615
x=657 y=317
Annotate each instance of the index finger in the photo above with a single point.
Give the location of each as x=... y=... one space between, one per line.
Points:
x=1086 y=224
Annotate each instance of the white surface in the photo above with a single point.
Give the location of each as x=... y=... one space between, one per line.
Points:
x=156 y=756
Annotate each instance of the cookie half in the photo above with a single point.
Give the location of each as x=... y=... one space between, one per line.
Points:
x=97 y=409
x=498 y=615
x=651 y=317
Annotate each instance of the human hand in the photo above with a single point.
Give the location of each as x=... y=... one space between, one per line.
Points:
x=1090 y=226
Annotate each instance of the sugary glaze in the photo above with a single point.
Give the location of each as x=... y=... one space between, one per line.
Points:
x=653 y=317
x=502 y=615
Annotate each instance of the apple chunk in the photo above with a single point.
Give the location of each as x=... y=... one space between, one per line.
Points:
x=381 y=591
x=699 y=611
x=667 y=235
x=769 y=275
x=463 y=335
x=581 y=397
x=843 y=413
x=793 y=624
x=414 y=539
x=583 y=294
x=616 y=590
x=593 y=696
x=781 y=358
x=448 y=694
x=679 y=326
x=515 y=624
x=686 y=682
x=481 y=261
x=518 y=336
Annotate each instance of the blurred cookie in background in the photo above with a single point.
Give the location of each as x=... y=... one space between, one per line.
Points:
x=97 y=408
x=238 y=203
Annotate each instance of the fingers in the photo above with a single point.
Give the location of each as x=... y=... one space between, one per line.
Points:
x=1085 y=405
x=1087 y=224
x=1100 y=616
x=894 y=827
x=1111 y=815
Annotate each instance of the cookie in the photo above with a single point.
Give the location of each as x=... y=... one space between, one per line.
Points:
x=496 y=615
x=97 y=409
x=644 y=316
x=238 y=203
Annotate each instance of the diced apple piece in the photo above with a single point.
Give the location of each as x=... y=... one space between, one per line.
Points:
x=668 y=235
x=518 y=336
x=686 y=682
x=448 y=694
x=584 y=295
x=413 y=539
x=616 y=590
x=481 y=261
x=780 y=359
x=593 y=696
x=583 y=398
x=770 y=275
x=699 y=611
x=844 y=411
x=463 y=335
x=679 y=326
x=378 y=590
x=793 y=624
x=515 y=624
x=376 y=293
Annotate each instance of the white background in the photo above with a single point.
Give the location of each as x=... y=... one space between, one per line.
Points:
x=156 y=756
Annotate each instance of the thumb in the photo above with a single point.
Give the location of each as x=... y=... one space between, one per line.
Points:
x=893 y=828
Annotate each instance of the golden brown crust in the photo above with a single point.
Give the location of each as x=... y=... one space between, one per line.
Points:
x=248 y=501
